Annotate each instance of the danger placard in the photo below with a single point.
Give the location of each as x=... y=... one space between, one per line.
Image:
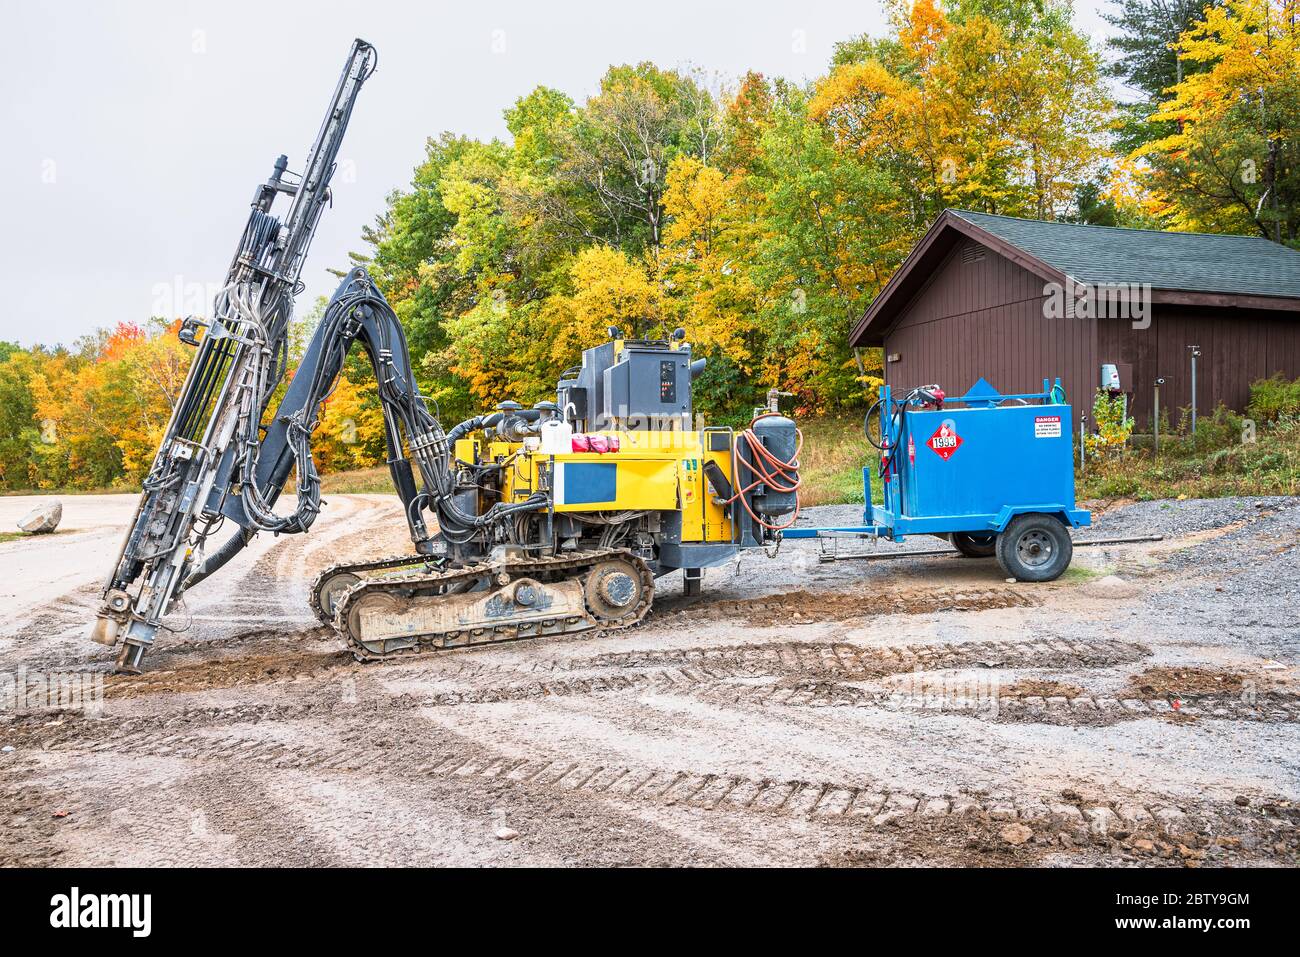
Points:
x=945 y=441
x=1047 y=426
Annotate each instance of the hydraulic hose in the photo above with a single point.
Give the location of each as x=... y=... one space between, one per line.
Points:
x=228 y=550
x=777 y=474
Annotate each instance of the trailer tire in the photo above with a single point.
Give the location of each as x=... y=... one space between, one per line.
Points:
x=974 y=544
x=1034 y=548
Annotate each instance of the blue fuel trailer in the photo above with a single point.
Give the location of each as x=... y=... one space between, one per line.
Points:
x=992 y=473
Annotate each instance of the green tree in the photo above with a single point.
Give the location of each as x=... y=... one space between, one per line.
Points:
x=19 y=428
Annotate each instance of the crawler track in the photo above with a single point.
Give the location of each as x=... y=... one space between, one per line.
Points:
x=512 y=622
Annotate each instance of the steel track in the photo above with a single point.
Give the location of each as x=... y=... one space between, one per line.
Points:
x=485 y=575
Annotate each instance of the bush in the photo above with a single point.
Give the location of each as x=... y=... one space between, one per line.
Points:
x=1113 y=427
x=1272 y=398
x=1221 y=461
x=1220 y=429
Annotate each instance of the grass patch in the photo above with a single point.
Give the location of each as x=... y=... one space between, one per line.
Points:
x=6 y=537
x=834 y=452
x=1216 y=465
x=1079 y=573
x=357 y=482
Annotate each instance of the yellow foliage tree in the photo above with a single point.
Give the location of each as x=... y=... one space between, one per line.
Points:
x=704 y=259
x=972 y=114
x=350 y=433
x=105 y=417
x=1230 y=162
x=609 y=289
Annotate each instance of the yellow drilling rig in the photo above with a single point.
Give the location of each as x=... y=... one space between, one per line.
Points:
x=526 y=522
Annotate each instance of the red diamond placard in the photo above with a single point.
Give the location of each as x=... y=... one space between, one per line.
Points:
x=945 y=441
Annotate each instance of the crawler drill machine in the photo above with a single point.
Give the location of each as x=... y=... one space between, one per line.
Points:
x=526 y=522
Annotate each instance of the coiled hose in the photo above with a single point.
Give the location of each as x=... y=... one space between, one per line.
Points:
x=777 y=474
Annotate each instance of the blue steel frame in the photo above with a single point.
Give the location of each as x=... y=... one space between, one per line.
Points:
x=887 y=521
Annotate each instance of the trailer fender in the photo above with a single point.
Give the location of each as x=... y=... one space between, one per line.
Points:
x=1070 y=517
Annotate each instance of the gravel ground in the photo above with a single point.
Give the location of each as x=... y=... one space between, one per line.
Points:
x=1177 y=518
x=1142 y=710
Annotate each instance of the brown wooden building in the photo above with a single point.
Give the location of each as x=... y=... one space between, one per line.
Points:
x=1016 y=301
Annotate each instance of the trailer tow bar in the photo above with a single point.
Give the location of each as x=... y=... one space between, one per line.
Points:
x=826 y=557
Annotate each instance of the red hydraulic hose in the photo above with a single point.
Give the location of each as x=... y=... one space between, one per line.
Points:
x=769 y=470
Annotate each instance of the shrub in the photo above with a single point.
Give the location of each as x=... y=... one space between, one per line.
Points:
x=1218 y=430
x=1272 y=398
x=1113 y=427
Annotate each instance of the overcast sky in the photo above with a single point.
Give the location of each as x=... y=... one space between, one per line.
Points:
x=135 y=133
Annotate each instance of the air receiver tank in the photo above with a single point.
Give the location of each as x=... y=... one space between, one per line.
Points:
x=779 y=436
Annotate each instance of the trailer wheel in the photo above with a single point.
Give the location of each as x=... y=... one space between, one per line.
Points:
x=1034 y=548
x=974 y=544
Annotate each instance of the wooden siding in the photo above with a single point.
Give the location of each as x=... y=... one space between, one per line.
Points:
x=1238 y=346
x=984 y=317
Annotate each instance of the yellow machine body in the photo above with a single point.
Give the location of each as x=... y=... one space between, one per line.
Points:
x=656 y=471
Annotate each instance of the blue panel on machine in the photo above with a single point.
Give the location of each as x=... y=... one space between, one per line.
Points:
x=586 y=482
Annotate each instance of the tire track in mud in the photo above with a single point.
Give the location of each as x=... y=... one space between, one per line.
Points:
x=849 y=662
x=801 y=607
x=799 y=674
x=1084 y=710
x=374 y=753
x=277 y=667
x=159 y=662
x=356 y=520
x=285 y=563
x=809 y=661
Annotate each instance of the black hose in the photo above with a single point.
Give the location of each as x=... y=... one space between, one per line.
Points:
x=228 y=550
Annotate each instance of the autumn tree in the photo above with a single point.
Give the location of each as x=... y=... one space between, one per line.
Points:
x=1231 y=159
x=621 y=143
x=999 y=106
x=20 y=427
x=835 y=225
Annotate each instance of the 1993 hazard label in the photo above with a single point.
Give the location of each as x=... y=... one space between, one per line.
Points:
x=945 y=441
x=1047 y=426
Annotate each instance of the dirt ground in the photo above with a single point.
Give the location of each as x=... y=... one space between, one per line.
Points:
x=1142 y=710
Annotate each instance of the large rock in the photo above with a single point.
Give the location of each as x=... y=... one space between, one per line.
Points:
x=43 y=518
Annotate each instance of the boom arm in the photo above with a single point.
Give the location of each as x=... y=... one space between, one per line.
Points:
x=357 y=312
x=217 y=460
x=209 y=463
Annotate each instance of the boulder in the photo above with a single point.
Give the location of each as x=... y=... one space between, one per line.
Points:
x=43 y=518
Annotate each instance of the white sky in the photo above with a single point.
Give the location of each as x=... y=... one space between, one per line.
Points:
x=134 y=134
